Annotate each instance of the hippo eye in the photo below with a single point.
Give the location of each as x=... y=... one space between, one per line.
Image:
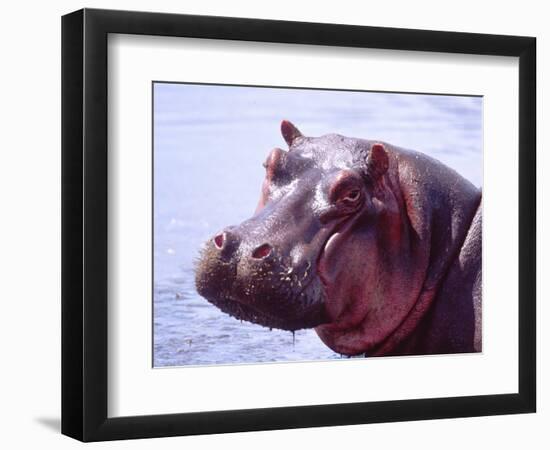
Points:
x=346 y=190
x=352 y=196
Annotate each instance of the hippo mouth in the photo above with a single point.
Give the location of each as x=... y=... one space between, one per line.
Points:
x=310 y=317
x=268 y=293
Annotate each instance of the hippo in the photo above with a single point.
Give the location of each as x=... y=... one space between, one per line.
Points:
x=376 y=247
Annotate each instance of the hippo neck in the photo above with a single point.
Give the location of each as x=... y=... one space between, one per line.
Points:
x=438 y=207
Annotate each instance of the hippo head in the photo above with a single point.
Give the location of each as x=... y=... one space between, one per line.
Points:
x=279 y=268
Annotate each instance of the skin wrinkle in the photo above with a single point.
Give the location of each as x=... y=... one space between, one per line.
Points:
x=391 y=247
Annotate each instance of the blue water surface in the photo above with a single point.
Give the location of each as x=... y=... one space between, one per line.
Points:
x=209 y=145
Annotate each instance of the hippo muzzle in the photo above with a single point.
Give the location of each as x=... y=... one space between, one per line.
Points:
x=254 y=279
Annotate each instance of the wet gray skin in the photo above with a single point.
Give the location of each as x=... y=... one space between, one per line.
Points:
x=377 y=247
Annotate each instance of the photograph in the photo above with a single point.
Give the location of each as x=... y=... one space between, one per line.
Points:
x=294 y=224
x=291 y=219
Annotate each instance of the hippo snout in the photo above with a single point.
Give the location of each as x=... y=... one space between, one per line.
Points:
x=228 y=243
x=253 y=279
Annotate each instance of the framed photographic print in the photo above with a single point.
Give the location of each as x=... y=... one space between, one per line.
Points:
x=273 y=224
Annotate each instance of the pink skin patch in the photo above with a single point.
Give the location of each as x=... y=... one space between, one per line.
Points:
x=262 y=251
x=219 y=240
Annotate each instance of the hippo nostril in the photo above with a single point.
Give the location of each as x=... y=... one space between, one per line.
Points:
x=262 y=251
x=219 y=240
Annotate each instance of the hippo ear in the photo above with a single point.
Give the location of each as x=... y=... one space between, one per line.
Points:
x=289 y=132
x=377 y=161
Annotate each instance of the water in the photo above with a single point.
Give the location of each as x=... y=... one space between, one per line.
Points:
x=210 y=142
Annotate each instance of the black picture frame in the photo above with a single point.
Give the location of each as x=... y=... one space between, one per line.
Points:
x=84 y=224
